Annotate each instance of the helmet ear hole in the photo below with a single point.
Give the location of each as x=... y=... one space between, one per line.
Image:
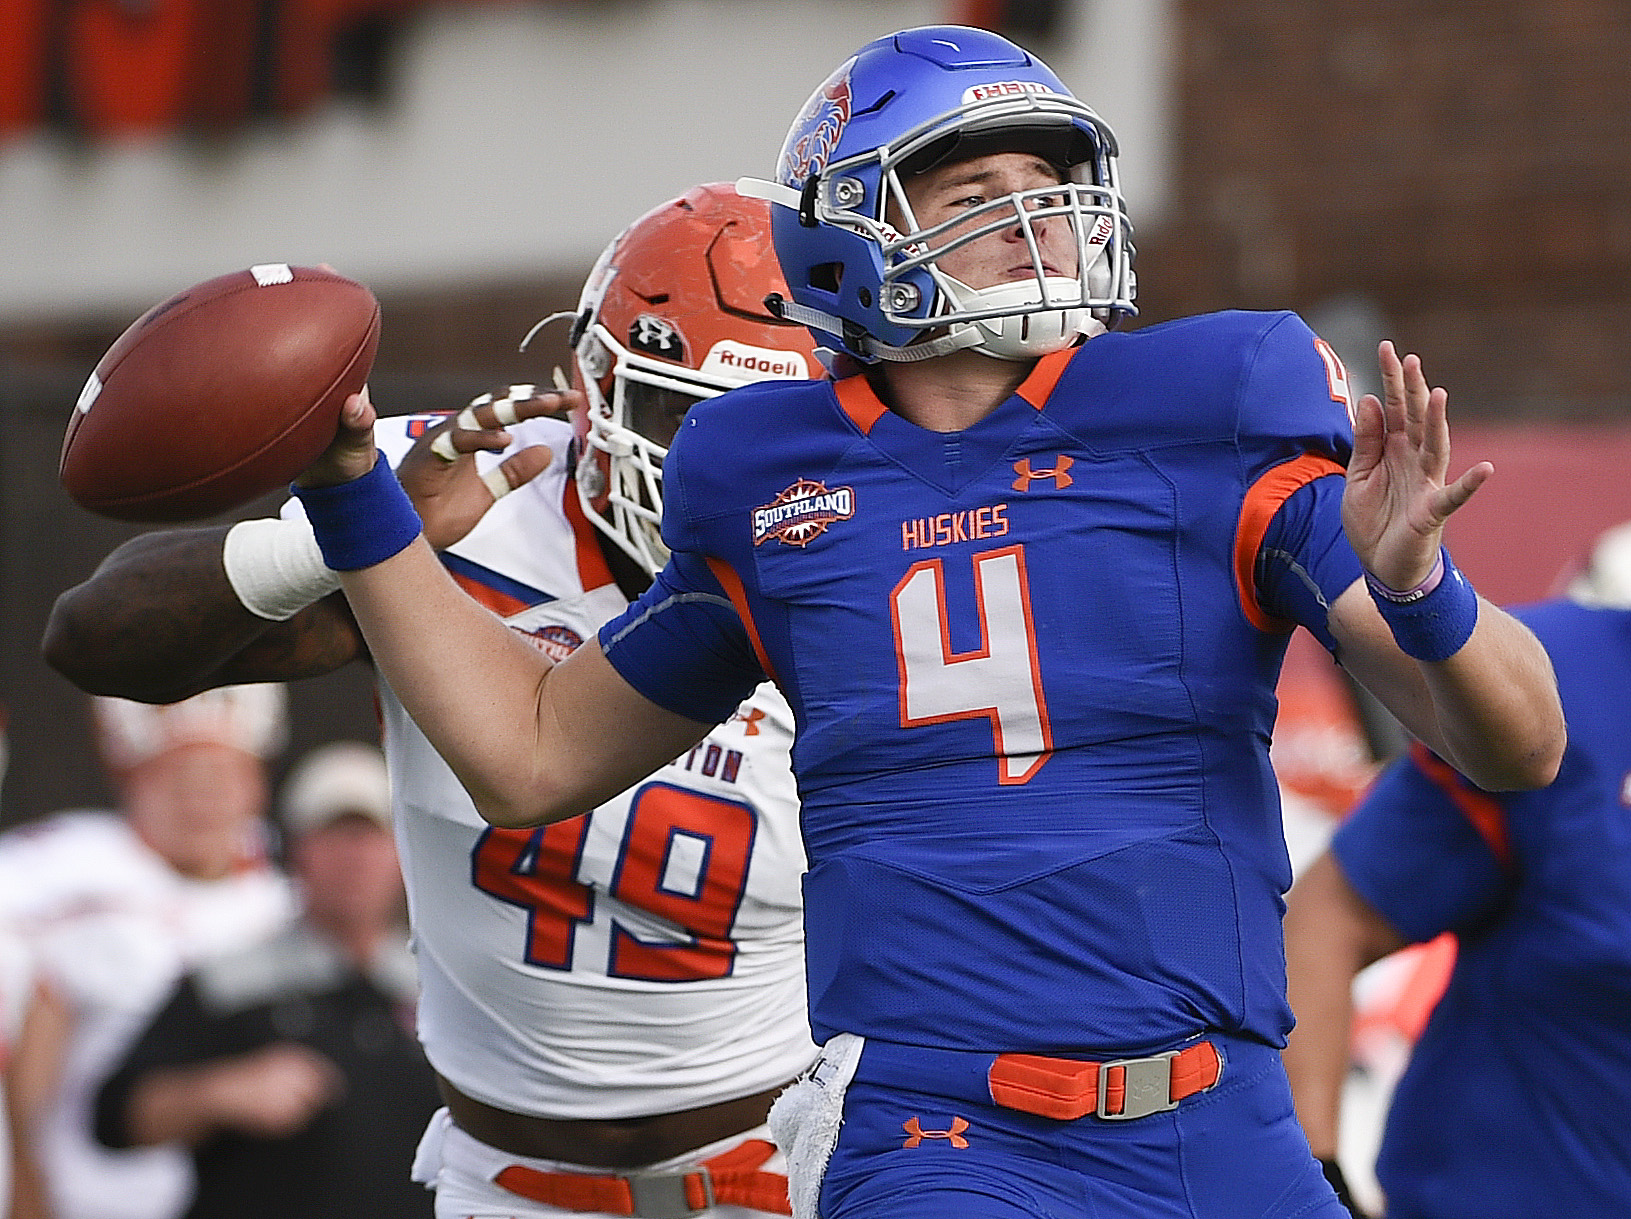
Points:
x=827 y=276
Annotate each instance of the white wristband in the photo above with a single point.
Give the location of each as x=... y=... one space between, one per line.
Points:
x=275 y=567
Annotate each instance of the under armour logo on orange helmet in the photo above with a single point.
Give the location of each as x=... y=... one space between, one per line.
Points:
x=916 y=1133
x=1027 y=476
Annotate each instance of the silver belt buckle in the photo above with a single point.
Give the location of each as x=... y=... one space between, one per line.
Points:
x=662 y=1195
x=1147 y=1087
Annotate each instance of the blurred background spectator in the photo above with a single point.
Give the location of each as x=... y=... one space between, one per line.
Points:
x=112 y=906
x=1457 y=177
x=289 y=1067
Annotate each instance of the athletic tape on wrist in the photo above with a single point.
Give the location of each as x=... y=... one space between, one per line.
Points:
x=276 y=567
x=1437 y=620
x=362 y=522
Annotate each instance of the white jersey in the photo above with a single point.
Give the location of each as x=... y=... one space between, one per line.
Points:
x=16 y=986
x=111 y=927
x=646 y=958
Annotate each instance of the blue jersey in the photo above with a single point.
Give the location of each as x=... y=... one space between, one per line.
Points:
x=1515 y=1099
x=1032 y=665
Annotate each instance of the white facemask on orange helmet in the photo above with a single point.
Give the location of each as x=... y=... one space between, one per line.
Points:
x=672 y=313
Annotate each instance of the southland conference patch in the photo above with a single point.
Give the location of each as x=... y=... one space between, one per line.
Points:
x=802 y=513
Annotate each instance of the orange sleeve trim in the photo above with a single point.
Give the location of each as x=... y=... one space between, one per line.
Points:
x=593 y=570
x=1263 y=499
x=1038 y=386
x=732 y=584
x=1481 y=809
x=858 y=401
x=501 y=603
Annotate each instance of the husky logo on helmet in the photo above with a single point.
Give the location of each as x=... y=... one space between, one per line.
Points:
x=816 y=133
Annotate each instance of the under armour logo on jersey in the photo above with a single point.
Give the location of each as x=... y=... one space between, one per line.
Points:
x=1057 y=472
x=749 y=720
x=916 y=1134
x=656 y=336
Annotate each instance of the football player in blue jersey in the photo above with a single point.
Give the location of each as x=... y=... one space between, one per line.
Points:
x=1026 y=580
x=1514 y=1100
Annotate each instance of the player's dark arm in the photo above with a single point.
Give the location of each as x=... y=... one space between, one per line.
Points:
x=1331 y=934
x=159 y=621
x=162 y=618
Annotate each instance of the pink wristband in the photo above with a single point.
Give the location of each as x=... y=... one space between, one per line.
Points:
x=1409 y=595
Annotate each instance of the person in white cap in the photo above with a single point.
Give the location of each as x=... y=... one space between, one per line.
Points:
x=114 y=905
x=289 y=1068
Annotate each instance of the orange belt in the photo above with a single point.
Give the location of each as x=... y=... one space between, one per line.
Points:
x=729 y=1179
x=1067 y=1089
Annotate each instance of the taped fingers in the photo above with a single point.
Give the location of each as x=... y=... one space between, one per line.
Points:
x=498 y=482
x=442 y=445
x=503 y=409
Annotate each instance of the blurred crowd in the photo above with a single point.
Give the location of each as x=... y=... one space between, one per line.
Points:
x=206 y=994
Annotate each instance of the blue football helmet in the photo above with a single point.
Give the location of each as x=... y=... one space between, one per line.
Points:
x=909 y=102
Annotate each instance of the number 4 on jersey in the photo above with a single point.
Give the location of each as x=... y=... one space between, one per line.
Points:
x=999 y=681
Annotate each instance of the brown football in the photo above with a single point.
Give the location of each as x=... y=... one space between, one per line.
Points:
x=219 y=394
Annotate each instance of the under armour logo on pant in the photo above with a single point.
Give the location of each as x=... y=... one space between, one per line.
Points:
x=916 y=1134
x=1057 y=472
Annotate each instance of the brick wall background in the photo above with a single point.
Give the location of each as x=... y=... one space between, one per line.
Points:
x=1464 y=164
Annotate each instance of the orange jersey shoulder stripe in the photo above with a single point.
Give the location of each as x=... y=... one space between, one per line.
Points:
x=501 y=603
x=1481 y=809
x=593 y=570
x=732 y=584
x=1263 y=500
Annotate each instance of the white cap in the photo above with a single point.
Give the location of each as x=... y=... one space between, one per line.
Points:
x=1606 y=581
x=252 y=718
x=333 y=780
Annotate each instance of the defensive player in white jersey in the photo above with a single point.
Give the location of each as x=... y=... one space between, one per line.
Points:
x=113 y=907
x=610 y=1003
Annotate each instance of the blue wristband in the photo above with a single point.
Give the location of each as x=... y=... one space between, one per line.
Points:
x=1431 y=625
x=362 y=522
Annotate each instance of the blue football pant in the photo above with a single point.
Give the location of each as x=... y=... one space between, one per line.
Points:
x=1235 y=1152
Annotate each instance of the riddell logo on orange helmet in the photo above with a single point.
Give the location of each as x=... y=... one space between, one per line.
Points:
x=735 y=361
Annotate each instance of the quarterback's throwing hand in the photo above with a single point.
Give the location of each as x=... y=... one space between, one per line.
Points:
x=1397 y=500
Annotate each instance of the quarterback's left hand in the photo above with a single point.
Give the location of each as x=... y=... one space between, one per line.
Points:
x=1397 y=501
x=439 y=473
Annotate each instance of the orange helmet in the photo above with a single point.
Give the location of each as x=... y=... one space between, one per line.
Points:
x=673 y=312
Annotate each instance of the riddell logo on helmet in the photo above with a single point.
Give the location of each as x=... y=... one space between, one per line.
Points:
x=735 y=361
x=1008 y=88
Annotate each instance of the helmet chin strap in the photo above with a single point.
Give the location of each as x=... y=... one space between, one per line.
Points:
x=1024 y=336
x=962 y=335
